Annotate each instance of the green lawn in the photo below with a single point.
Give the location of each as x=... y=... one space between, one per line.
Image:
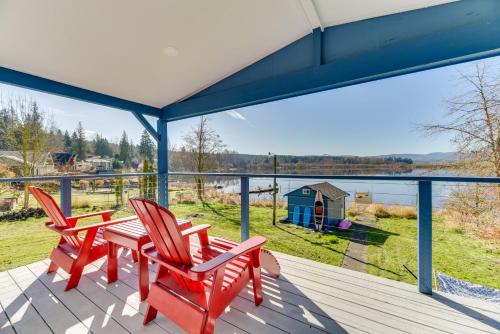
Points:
x=391 y=245
x=455 y=254
x=28 y=241
x=285 y=238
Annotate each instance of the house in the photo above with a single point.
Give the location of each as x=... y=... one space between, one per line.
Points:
x=43 y=163
x=333 y=199
x=99 y=164
x=64 y=160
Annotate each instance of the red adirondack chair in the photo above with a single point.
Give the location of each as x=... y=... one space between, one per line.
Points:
x=74 y=251
x=194 y=288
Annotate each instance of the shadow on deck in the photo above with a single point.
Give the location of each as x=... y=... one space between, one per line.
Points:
x=309 y=297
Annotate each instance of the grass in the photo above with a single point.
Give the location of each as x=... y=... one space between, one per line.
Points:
x=391 y=245
x=454 y=253
x=24 y=242
x=285 y=238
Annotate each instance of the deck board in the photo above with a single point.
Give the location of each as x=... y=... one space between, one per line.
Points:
x=309 y=297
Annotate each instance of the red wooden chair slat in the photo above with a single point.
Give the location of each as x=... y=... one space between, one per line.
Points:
x=194 y=289
x=74 y=251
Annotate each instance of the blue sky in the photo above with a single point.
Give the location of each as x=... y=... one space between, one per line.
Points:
x=374 y=118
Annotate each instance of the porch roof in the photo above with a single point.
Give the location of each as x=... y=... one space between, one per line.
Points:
x=169 y=58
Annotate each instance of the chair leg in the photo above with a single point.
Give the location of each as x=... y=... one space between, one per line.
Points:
x=82 y=260
x=209 y=325
x=256 y=278
x=135 y=256
x=150 y=314
x=52 y=267
x=74 y=278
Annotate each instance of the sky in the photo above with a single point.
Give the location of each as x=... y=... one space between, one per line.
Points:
x=379 y=117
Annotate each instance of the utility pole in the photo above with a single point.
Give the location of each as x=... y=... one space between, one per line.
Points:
x=275 y=186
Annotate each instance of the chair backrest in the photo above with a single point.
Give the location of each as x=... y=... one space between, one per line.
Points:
x=162 y=227
x=55 y=214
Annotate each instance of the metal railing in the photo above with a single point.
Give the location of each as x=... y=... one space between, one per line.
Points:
x=424 y=201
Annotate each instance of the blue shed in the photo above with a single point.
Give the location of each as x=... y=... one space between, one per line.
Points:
x=301 y=204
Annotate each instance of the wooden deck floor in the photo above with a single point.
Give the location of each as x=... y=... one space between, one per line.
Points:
x=309 y=297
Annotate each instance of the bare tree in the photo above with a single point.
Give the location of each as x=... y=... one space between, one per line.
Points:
x=202 y=143
x=473 y=118
x=29 y=133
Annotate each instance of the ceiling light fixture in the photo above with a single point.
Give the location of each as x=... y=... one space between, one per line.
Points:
x=170 y=51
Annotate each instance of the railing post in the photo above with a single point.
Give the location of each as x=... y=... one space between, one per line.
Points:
x=424 y=237
x=245 y=208
x=66 y=197
x=161 y=127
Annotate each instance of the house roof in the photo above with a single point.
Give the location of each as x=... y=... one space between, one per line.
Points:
x=159 y=52
x=16 y=157
x=327 y=189
x=62 y=158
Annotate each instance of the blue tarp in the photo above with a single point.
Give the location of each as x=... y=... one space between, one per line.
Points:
x=466 y=289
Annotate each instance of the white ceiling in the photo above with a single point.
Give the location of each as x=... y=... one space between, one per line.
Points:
x=117 y=47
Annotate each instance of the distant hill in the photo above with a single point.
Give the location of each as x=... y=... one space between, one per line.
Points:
x=425 y=158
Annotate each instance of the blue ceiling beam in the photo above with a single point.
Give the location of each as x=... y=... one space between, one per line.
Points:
x=29 y=81
x=145 y=123
x=357 y=52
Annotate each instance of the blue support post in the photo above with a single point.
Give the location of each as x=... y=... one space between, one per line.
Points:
x=425 y=237
x=245 y=208
x=162 y=162
x=66 y=197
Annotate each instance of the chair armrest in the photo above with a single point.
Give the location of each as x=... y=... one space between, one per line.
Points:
x=105 y=214
x=195 y=229
x=76 y=230
x=206 y=268
x=152 y=254
x=184 y=224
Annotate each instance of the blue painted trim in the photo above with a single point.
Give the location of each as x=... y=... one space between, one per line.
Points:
x=355 y=53
x=66 y=197
x=162 y=157
x=424 y=251
x=245 y=208
x=147 y=125
x=29 y=81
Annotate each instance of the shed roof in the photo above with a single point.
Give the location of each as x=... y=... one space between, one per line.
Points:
x=327 y=189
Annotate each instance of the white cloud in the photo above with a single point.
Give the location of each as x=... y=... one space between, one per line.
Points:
x=236 y=115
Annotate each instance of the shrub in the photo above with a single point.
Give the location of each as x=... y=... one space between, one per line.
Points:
x=355 y=209
x=81 y=204
x=23 y=214
x=378 y=210
x=383 y=211
x=84 y=184
x=402 y=211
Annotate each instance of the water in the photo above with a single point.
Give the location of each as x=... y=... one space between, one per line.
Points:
x=386 y=192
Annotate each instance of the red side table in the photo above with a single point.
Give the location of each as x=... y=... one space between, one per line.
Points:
x=131 y=234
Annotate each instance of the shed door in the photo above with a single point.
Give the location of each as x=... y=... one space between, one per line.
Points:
x=333 y=210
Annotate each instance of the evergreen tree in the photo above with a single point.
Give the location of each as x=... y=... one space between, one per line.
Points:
x=79 y=143
x=146 y=147
x=74 y=139
x=68 y=143
x=125 y=151
x=102 y=147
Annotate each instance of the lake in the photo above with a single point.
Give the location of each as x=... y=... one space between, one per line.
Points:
x=386 y=192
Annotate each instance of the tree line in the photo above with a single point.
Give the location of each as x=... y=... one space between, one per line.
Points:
x=27 y=128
